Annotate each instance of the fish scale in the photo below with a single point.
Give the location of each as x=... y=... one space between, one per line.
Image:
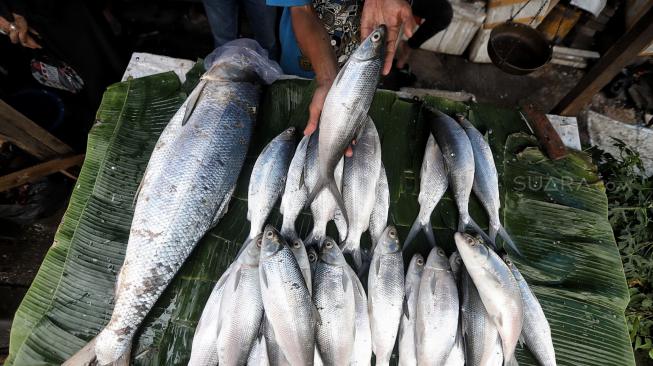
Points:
x=379 y=216
x=295 y=193
x=190 y=176
x=407 y=347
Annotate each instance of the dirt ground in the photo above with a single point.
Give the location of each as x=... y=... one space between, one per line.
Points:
x=24 y=246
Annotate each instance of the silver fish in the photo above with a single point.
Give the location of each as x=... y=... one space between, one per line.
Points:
x=486 y=180
x=345 y=108
x=258 y=355
x=269 y=179
x=333 y=295
x=407 y=347
x=362 y=353
x=457 y=354
x=185 y=190
x=204 y=351
x=433 y=182
x=456 y=264
x=286 y=299
x=241 y=309
x=323 y=207
x=385 y=287
x=299 y=250
x=359 y=181
x=312 y=254
x=536 y=332
x=459 y=163
x=436 y=325
x=295 y=194
x=379 y=216
x=497 y=288
x=481 y=336
x=274 y=354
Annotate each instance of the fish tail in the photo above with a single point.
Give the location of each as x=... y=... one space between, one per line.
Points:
x=471 y=224
x=87 y=356
x=512 y=361
x=415 y=229
x=333 y=187
x=357 y=256
x=492 y=232
x=348 y=246
x=313 y=239
x=508 y=241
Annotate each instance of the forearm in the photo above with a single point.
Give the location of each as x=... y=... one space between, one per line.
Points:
x=314 y=42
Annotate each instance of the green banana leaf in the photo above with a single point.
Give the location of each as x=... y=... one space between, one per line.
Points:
x=570 y=255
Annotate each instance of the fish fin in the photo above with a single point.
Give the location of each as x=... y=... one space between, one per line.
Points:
x=119 y=280
x=264 y=279
x=508 y=241
x=521 y=339
x=357 y=257
x=345 y=285
x=412 y=233
x=223 y=208
x=243 y=246
x=238 y=273
x=377 y=267
x=193 y=98
x=330 y=184
x=406 y=310
x=138 y=190
x=84 y=357
x=511 y=362
x=428 y=231
x=316 y=315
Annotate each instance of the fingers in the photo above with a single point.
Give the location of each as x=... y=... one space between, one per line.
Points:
x=391 y=48
x=367 y=18
x=313 y=117
x=408 y=20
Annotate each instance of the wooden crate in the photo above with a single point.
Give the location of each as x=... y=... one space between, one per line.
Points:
x=467 y=19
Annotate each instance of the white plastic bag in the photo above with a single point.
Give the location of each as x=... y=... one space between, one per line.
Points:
x=246 y=54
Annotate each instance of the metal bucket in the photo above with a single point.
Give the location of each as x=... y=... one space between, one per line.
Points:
x=518 y=49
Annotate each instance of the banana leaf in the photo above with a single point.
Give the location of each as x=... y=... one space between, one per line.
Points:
x=570 y=254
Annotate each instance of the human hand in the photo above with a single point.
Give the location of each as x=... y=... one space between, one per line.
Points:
x=403 y=52
x=19 y=31
x=315 y=109
x=394 y=14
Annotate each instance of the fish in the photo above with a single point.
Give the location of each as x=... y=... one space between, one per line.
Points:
x=312 y=254
x=362 y=353
x=407 y=346
x=359 y=181
x=536 y=332
x=241 y=308
x=286 y=299
x=457 y=354
x=345 y=108
x=295 y=193
x=385 y=298
x=433 y=184
x=258 y=355
x=299 y=251
x=268 y=179
x=333 y=296
x=483 y=344
x=324 y=206
x=273 y=351
x=204 y=350
x=458 y=158
x=186 y=189
x=456 y=264
x=379 y=216
x=497 y=287
x=486 y=181
x=436 y=325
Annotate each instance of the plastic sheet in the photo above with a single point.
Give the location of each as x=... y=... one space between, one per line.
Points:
x=247 y=54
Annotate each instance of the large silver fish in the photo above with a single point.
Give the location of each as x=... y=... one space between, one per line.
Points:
x=536 y=332
x=345 y=108
x=436 y=325
x=486 y=180
x=481 y=336
x=286 y=299
x=457 y=355
x=299 y=250
x=333 y=295
x=379 y=216
x=497 y=288
x=385 y=287
x=362 y=353
x=407 y=346
x=295 y=194
x=268 y=179
x=433 y=182
x=459 y=164
x=359 y=180
x=241 y=309
x=258 y=355
x=324 y=206
x=185 y=190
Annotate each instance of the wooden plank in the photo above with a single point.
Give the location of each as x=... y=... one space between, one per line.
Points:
x=607 y=67
x=545 y=133
x=29 y=136
x=38 y=171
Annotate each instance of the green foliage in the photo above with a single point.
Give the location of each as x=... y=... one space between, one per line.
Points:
x=630 y=210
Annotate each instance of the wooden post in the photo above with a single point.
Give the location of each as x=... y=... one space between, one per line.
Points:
x=34 y=173
x=613 y=61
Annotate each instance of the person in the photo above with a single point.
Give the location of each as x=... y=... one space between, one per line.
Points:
x=317 y=37
x=437 y=15
x=223 y=19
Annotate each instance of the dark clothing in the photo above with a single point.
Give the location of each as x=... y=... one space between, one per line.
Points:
x=437 y=15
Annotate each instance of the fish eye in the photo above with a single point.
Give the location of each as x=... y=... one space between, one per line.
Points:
x=376 y=36
x=269 y=234
x=393 y=233
x=329 y=244
x=296 y=244
x=258 y=242
x=420 y=262
x=312 y=257
x=440 y=252
x=508 y=261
